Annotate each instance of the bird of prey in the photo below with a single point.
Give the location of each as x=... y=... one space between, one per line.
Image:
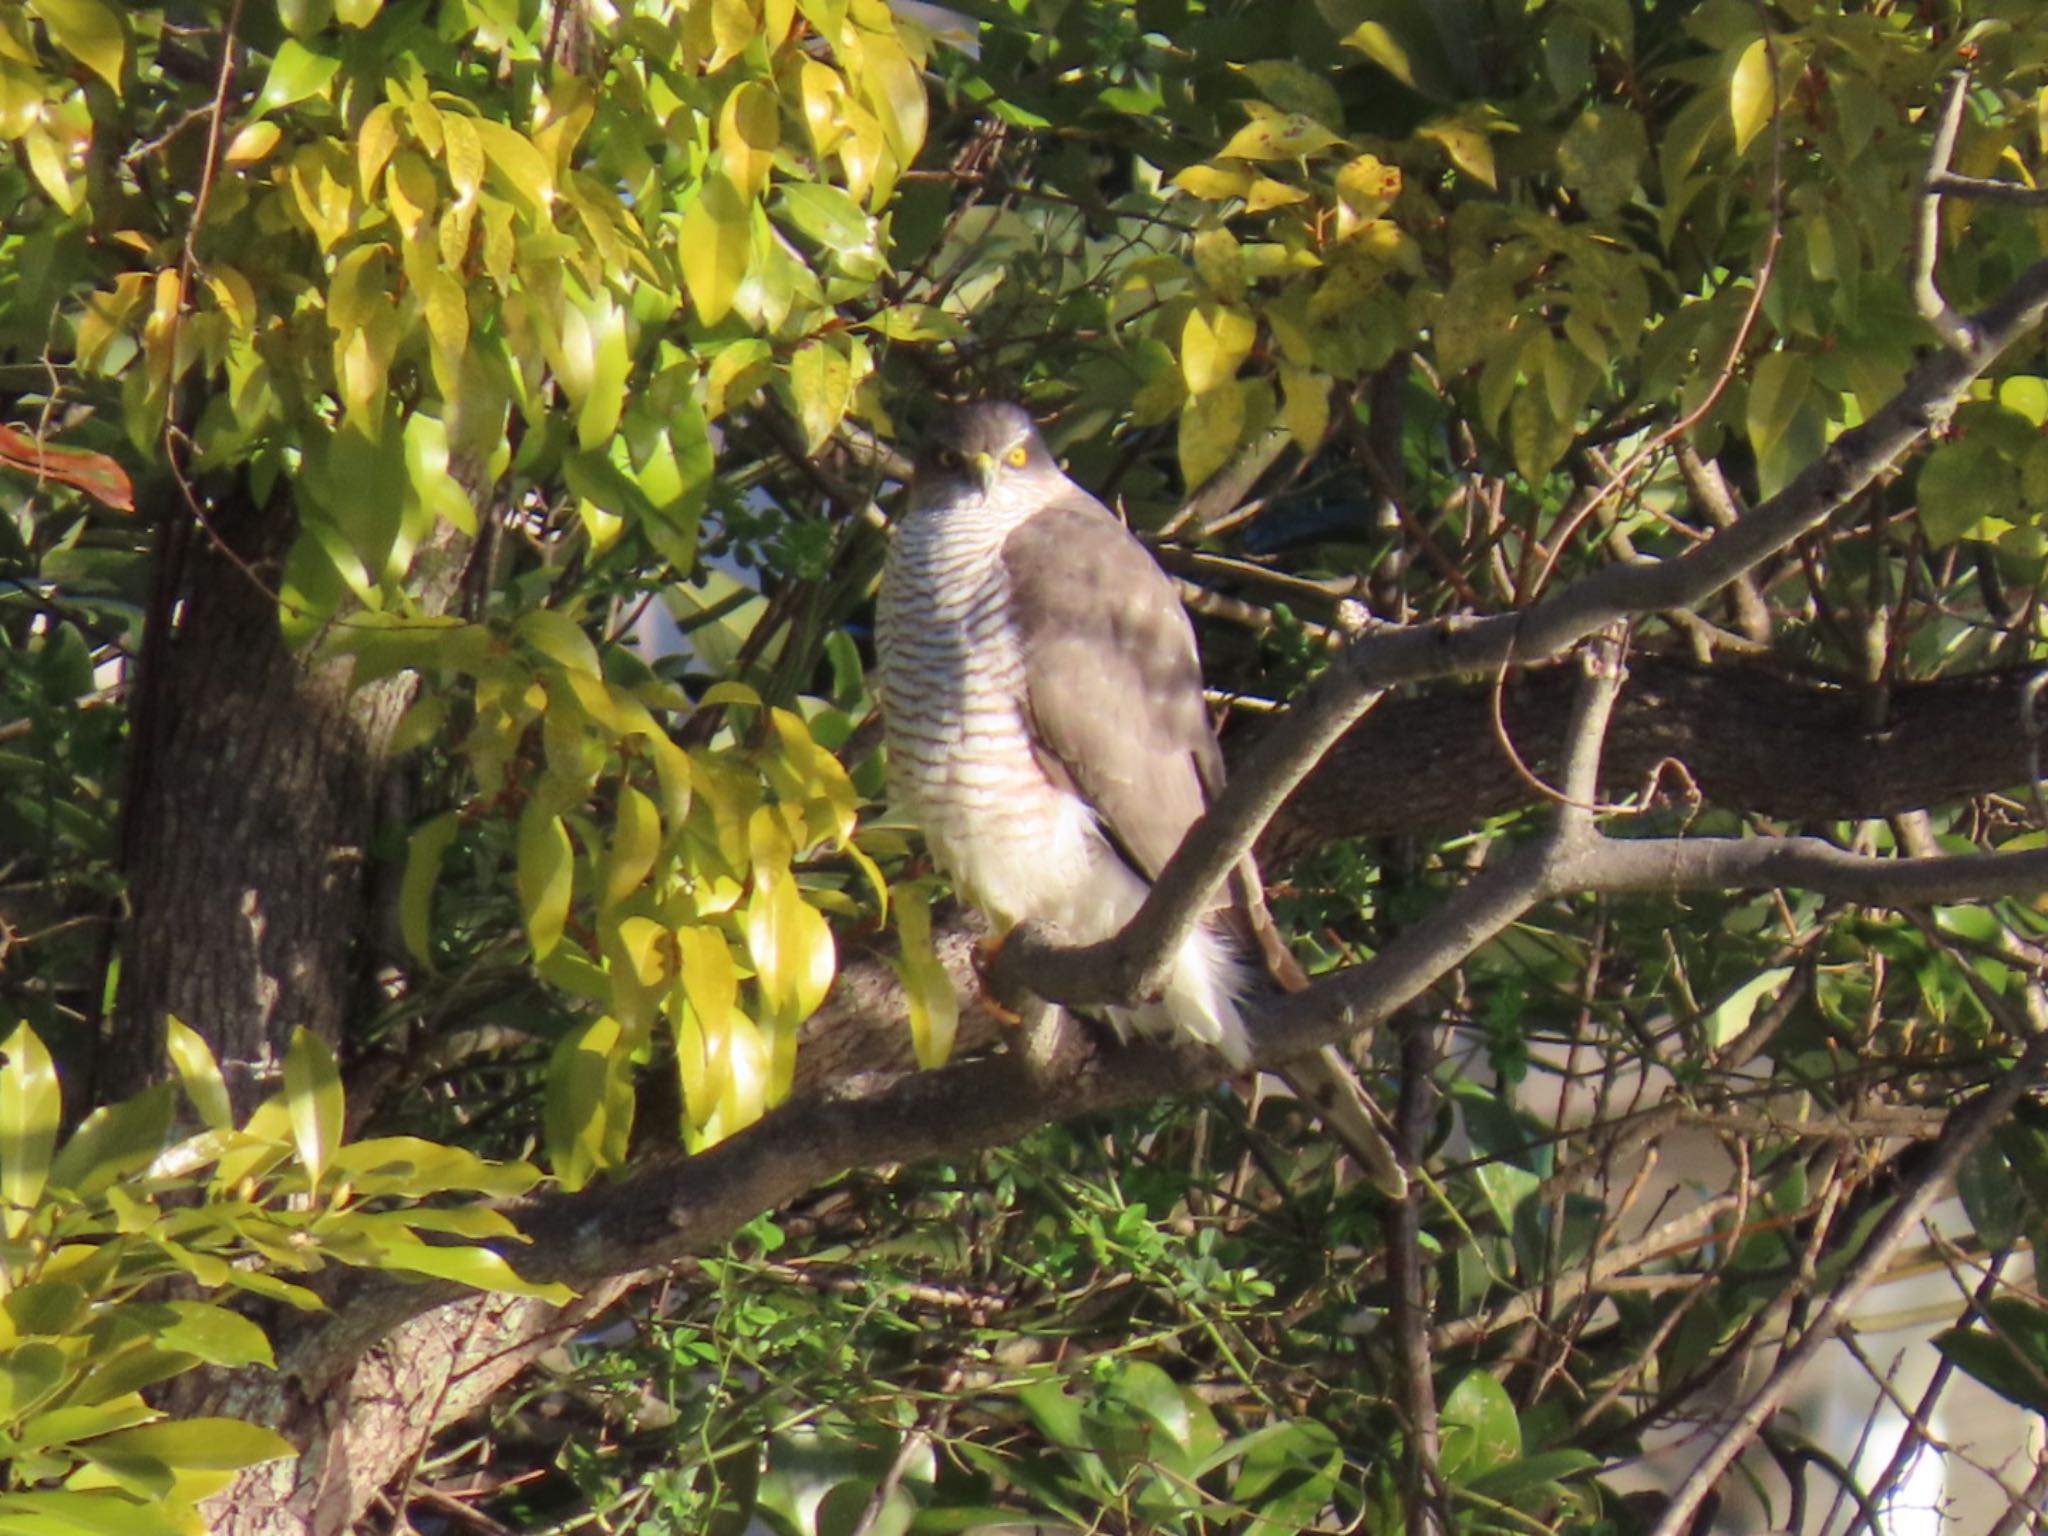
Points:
x=1042 y=698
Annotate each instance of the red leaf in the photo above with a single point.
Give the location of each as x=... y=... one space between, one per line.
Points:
x=93 y=473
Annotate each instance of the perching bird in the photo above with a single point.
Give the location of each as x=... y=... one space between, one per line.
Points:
x=1047 y=730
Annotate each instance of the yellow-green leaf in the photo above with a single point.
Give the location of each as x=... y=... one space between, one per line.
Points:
x=636 y=839
x=199 y=1072
x=30 y=1101
x=589 y=1093
x=561 y=639
x=199 y=1443
x=546 y=871
x=312 y=1095
x=295 y=74
x=1751 y=97
x=934 y=1007
x=713 y=246
x=88 y=30
x=466 y=1264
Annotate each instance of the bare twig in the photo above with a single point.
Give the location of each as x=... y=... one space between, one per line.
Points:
x=1952 y=328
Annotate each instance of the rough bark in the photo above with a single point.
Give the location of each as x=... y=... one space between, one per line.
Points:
x=251 y=800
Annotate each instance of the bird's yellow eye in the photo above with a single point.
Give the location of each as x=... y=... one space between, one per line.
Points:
x=949 y=458
x=1019 y=456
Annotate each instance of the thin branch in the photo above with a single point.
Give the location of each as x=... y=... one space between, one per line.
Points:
x=1968 y=1128
x=1954 y=331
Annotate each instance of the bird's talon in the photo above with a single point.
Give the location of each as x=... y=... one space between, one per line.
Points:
x=985 y=952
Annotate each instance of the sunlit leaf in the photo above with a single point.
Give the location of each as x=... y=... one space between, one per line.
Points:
x=313 y=1095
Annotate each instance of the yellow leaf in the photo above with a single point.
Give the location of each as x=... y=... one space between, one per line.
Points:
x=1374 y=41
x=791 y=949
x=465 y=154
x=1278 y=138
x=713 y=246
x=1210 y=426
x=1267 y=193
x=1214 y=344
x=252 y=143
x=546 y=875
x=749 y=130
x=1306 y=410
x=1777 y=387
x=375 y=142
x=1751 y=99
x=1469 y=147
x=1213 y=182
x=824 y=98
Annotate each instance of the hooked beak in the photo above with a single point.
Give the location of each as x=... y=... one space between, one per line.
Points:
x=983 y=467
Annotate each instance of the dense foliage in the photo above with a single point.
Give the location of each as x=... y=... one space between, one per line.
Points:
x=445 y=456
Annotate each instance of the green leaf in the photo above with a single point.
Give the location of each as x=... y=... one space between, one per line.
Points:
x=313 y=1096
x=30 y=1102
x=1962 y=484
x=199 y=1072
x=546 y=876
x=29 y=1373
x=424 y=851
x=2000 y=1363
x=114 y=1140
x=295 y=74
x=1751 y=94
x=1777 y=387
x=90 y=31
x=1481 y=1432
x=213 y=1334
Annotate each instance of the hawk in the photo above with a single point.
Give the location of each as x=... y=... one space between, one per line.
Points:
x=1042 y=699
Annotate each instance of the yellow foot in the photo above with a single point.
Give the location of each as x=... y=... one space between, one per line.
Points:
x=985 y=952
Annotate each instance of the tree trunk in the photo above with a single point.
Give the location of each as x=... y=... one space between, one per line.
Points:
x=252 y=795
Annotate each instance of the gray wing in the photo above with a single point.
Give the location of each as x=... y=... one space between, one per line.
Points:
x=1114 y=686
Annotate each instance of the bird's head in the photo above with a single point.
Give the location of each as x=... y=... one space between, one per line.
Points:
x=974 y=450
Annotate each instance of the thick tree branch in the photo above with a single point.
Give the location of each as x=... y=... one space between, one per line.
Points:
x=1747 y=737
